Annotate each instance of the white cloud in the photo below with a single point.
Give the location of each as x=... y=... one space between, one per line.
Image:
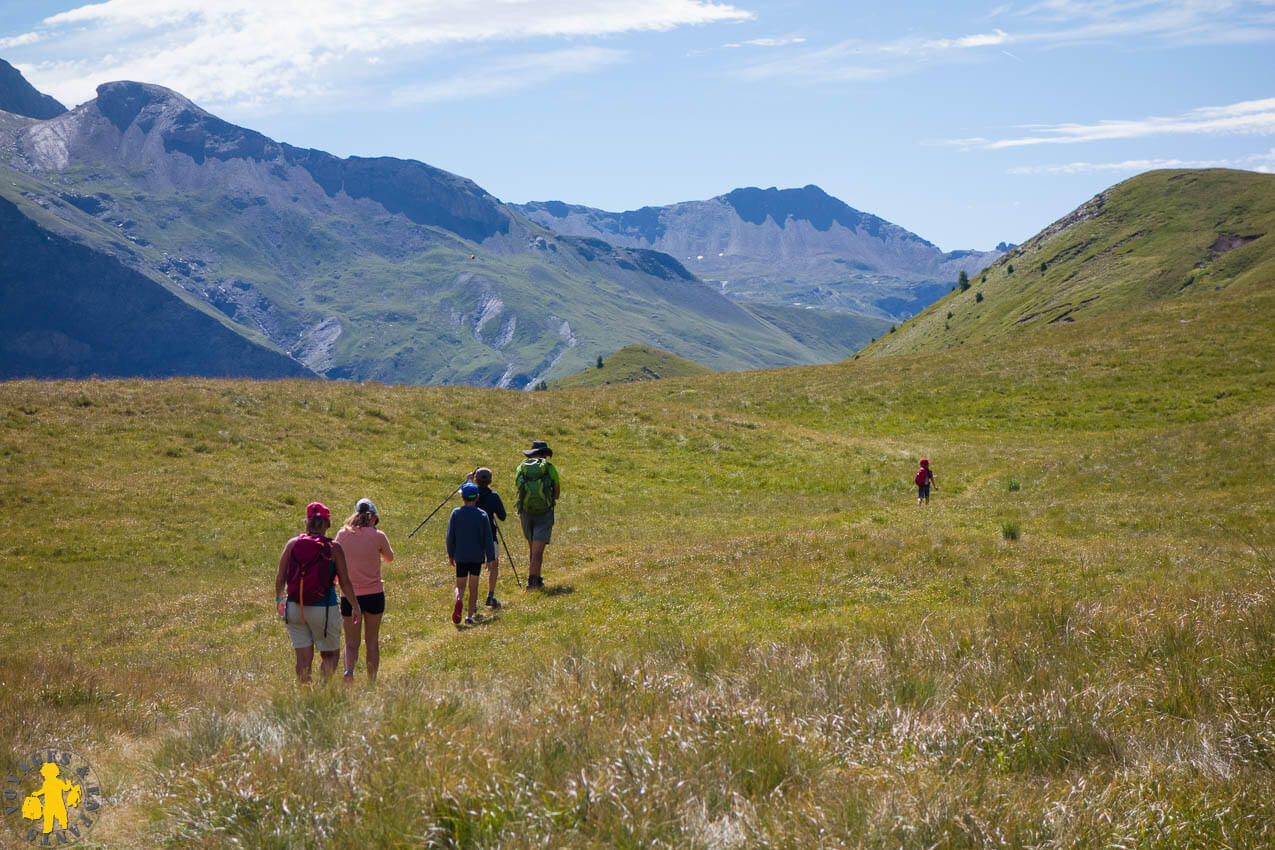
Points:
x=19 y=40
x=247 y=51
x=1245 y=117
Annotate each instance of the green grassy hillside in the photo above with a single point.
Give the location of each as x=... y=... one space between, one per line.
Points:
x=633 y=363
x=1162 y=235
x=752 y=637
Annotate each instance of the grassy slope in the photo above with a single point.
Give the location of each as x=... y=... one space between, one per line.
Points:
x=830 y=334
x=754 y=637
x=633 y=363
x=1151 y=241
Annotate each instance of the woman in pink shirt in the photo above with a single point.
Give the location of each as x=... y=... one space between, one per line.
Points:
x=365 y=547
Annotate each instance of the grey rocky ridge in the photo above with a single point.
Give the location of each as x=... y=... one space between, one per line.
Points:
x=799 y=247
x=19 y=97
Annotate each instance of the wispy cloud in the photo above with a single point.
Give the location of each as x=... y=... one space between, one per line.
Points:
x=246 y=51
x=768 y=42
x=511 y=74
x=1043 y=25
x=1264 y=162
x=1251 y=116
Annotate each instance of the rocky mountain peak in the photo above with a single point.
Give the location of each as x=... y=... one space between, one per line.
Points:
x=21 y=98
x=812 y=204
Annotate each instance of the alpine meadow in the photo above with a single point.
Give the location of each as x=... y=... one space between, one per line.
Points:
x=751 y=635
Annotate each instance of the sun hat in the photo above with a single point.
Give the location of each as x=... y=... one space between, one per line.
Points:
x=365 y=506
x=318 y=509
x=469 y=490
x=482 y=476
x=538 y=448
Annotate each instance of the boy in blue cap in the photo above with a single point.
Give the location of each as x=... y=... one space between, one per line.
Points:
x=469 y=545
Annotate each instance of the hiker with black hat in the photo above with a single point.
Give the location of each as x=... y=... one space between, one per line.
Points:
x=470 y=543
x=310 y=565
x=539 y=488
x=490 y=503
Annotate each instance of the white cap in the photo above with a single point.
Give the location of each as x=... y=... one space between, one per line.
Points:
x=365 y=506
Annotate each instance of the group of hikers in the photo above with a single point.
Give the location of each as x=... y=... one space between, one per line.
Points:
x=312 y=565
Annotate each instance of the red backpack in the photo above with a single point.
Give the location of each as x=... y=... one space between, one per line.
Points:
x=922 y=476
x=311 y=570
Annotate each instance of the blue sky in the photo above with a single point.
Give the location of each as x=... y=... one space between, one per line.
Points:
x=968 y=123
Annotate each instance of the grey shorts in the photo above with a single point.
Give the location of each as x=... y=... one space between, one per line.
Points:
x=537 y=526
x=321 y=629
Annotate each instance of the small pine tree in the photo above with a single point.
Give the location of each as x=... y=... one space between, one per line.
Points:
x=963 y=281
x=891 y=328
x=599 y=361
x=1010 y=268
x=1043 y=267
x=949 y=314
x=978 y=296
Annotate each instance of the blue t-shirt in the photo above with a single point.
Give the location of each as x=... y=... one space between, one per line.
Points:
x=469 y=537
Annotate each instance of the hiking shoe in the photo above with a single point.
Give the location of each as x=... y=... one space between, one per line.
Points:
x=492 y=601
x=469 y=621
x=456 y=613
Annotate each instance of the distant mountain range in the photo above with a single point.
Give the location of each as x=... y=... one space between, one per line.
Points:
x=796 y=247
x=357 y=268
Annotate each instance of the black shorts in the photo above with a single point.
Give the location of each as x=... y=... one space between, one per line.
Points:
x=371 y=603
x=468 y=568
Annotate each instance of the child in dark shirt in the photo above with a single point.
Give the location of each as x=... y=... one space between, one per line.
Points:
x=489 y=501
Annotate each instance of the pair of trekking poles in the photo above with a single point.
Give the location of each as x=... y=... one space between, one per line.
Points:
x=509 y=556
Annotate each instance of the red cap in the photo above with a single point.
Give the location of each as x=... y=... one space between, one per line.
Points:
x=318 y=509
x=924 y=462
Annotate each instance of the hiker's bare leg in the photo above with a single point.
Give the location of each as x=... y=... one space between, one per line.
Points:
x=460 y=588
x=536 y=557
x=492 y=572
x=305 y=658
x=372 y=622
x=352 y=644
x=473 y=595
x=328 y=662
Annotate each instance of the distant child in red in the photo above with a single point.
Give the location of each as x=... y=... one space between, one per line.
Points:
x=924 y=478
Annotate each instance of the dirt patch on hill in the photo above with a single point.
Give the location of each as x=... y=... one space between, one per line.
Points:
x=1231 y=241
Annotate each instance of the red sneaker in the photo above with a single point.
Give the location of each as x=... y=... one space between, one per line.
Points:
x=456 y=613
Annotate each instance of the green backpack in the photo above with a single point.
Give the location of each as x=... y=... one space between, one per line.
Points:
x=535 y=486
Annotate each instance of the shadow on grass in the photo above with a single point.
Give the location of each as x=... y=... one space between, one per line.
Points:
x=557 y=590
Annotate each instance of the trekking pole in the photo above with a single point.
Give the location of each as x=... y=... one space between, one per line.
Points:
x=508 y=556
x=436 y=510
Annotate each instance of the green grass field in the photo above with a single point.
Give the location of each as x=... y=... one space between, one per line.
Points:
x=753 y=637
x=632 y=363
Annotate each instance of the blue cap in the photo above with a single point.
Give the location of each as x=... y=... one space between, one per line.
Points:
x=469 y=490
